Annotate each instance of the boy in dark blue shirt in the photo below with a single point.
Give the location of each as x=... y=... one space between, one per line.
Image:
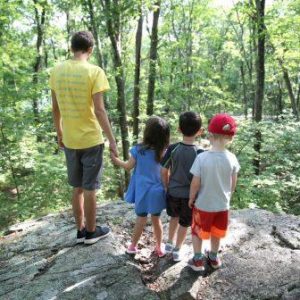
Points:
x=177 y=178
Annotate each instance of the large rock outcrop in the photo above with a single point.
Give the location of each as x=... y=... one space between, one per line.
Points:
x=39 y=260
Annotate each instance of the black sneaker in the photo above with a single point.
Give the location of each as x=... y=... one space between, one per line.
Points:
x=93 y=237
x=80 y=236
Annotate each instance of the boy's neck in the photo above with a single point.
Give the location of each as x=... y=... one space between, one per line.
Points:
x=189 y=140
x=218 y=145
x=81 y=56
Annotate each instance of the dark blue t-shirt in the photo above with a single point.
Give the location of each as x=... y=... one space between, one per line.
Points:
x=179 y=159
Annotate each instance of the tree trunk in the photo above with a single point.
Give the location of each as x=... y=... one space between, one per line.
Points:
x=94 y=30
x=288 y=84
x=244 y=91
x=279 y=100
x=298 y=96
x=113 y=29
x=136 y=94
x=68 y=27
x=260 y=79
x=153 y=58
x=39 y=22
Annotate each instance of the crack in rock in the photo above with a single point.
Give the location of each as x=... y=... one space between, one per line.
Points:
x=283 y=241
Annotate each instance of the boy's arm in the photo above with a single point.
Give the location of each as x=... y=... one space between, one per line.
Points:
x=233 y=182
x=164 y=173
x=194 y=189
x=102 y=118
x=57 y=119
x=127 y=165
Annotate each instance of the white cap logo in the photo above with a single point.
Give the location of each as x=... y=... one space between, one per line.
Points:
x=226 y=127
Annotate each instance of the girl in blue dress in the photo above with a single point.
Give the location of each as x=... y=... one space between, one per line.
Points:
x=145 y=189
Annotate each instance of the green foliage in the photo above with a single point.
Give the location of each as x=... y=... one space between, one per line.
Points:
x=202 y=49
x=277 y=187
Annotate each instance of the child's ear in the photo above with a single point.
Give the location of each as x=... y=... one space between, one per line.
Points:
x=179 y=130
x=201 y=132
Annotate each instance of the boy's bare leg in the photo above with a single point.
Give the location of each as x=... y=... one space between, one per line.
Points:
x=173 y=227
x=90 y=209
x=181 y=235
x=197 y=244
x=215 y=244
x=138 y=229
x=158 y=230
x=77 y=205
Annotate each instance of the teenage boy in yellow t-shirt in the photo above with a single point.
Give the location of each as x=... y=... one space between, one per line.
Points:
x=79 y=114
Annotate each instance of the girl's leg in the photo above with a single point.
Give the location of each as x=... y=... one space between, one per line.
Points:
x=173 y=227
x=138 y=229
x=157 y=229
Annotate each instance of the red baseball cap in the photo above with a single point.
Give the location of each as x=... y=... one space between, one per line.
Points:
x=222 y=124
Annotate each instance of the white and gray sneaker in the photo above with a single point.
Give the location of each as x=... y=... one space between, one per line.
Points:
x=169 y=248
x=177 y=255
x=93 y=237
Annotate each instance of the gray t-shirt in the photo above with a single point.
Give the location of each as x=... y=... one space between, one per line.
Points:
x=215 y=170
x=179 y=158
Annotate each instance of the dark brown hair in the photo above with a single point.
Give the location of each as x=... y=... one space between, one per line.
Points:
x=82 y=41
x=156 y=136
x=189 y=123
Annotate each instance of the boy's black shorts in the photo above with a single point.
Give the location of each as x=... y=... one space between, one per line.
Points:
x=84 y=167
x=179 y=207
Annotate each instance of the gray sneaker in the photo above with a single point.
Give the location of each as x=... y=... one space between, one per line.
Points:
x=169 y=248
x=93 y=237
x=177 y=255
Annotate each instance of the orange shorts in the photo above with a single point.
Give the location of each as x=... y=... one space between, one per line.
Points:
x=206 y=224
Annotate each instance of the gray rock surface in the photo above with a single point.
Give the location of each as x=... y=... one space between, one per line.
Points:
x=39 y=260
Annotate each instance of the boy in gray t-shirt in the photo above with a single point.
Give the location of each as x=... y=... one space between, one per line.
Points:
x=215 y=175
x=177 y=178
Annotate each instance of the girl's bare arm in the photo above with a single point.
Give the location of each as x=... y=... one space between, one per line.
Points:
x=127 y=165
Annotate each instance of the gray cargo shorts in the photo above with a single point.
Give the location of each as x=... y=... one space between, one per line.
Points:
x=85 y=167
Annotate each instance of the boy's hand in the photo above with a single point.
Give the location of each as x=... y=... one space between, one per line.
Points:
x=60 y=142
x=113 y=148
x=191 y=203
x=112 y=156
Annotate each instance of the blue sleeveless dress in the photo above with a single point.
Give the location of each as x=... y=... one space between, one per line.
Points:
x=145 y=189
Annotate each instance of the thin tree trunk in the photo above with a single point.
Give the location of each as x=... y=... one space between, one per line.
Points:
x=252 y=50
x=113 y=29
x=260 y=80
x=94 y=30
x=244 y=90
x=288 y=84
x=279 y=100
x=40 y=22
x=68 y=27
x=298 y=96
x=136 y=94
x=153 y=58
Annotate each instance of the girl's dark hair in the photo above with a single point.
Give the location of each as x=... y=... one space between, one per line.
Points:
x=156 y=136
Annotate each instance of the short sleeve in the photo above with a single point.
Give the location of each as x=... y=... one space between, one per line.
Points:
x=134 y=152
x=166 y=161
x=196 y=167
x=236 y=165
x=100 y=83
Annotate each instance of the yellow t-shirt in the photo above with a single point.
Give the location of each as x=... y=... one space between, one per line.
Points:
x=74 y=82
